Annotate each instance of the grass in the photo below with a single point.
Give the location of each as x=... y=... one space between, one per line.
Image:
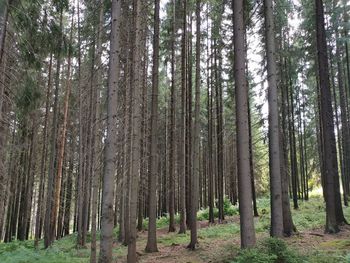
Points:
x=61 y=251
x=310 y=215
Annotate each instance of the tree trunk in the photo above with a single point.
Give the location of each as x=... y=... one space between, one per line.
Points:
x=182 y=152
x=111 y=139
x=39 y=218
x=274 y=141
x=50 y=225
x=61 y=151
x=196 y=137
x=244 y=177
x=95 y=134
x=153 y=169
x=136 y=129
x=326 y=116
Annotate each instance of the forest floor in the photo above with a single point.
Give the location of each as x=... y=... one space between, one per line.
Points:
x=217 y=242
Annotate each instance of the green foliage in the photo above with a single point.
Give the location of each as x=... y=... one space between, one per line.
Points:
x=326 y=257
x=28 y=97
x=254 y=255
x=63 y=250
x=218 y=231
x=270 y=250
x=173 y=239
x=230 y=209
x=310 y=214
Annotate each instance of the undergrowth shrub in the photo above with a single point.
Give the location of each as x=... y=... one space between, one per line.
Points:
x=270 y=250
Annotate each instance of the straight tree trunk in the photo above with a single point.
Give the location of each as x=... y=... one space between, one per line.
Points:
x=153 y=169
x=274 y=141
x=288 y=226
x=61 y=150
x=49 y=215
x=244 y=177
x=95 y=170
x=327 y=124
x=136 y=129
x=38 y=222
x=345 y=124
x=210 y=133
x=3 y=33
x=196 y=137
x=172 y=134
x=182 y=152
x=68 y=197
x=111 y=140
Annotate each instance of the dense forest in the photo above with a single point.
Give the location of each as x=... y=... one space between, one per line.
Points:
x=160 y=131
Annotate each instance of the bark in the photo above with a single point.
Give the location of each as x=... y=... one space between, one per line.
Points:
x=244 y=177
x=68 y=197
x=288 y=226
x=153 y=169
x=196 y=132
x=182 y=152
x=111 y=139
x=172 y=151
x=251 y=160
x=4 y=123
x=210 y=133
x=345 y=135
x=292 y=144
x=327 y=124
x=3 y=32
x=274 y=141
x=80 y=184
x=61 y=151
x=95 y=134
x=136 y=129
x=49 y=215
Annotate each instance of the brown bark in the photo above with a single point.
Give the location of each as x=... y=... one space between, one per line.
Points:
x=327 y=124
x=274 y=141
x=50 y=211
x=244 y=177
x=196 y=132
x=61 y=151
x=182 y=152
x=153 y=169
x=111 y=140
x=136 y=128
x=172 y=151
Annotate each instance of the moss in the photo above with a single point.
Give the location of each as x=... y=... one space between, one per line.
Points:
x=336 y=244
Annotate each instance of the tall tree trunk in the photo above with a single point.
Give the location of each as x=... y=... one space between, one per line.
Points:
x=172 y=151
x=68 y=197
x=210 y=133
x=196 y=133
x=3 y=32
x=274 y=141
x=136 y=128
x=182 y=152
x=329 y=152
x=244 y=177
x=153 y=169
x=95 y=134
x=61 y=150
x=345 y=124
x=111 y=139
x=49 y=215
x=288 y=226
x=39 y=218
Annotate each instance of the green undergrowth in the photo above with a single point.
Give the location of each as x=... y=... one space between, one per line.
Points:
x=272 y=250
x=61 y=251
x=310 y=215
